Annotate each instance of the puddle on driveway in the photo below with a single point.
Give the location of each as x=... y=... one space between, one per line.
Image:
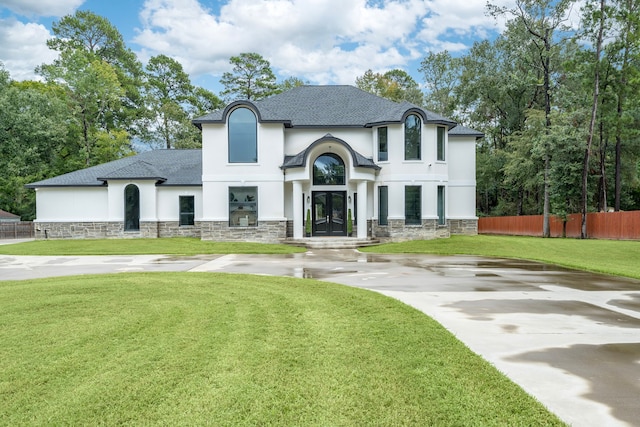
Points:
x=612 y=370
x=487 y=309
x=629 y=304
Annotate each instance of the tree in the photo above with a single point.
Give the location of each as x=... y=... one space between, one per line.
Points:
x=395 y=85
x=599 y=17
x=625 y=51
x=94 y=93
x=290 y=83
x=94 y=35
x=168 y=88
x=251 y=79
x=34 y=140
x=173 y=102
x=541 y=18
x=441 y=74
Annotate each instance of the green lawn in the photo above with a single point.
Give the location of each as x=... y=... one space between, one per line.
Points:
x=233 y=350
x=172 y=246
x=606 y=256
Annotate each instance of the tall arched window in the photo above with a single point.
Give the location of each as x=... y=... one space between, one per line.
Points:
x=412 y=137
x=243 y=136
x=328 y=169
x=131 y=208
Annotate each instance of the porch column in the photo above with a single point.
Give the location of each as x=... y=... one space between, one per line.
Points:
x=297 y=210
x=362 y=210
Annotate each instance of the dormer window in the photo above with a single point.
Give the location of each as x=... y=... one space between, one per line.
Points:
x=243 y=136
x=412 y=137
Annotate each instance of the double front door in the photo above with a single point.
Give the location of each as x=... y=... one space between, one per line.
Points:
x=329 y=213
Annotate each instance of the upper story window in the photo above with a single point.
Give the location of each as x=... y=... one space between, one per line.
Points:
x=441 y=144
x=412 y=137
x=383 y=154
x=243 y=136
x=328 y=169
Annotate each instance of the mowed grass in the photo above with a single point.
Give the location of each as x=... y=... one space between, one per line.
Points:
x=605 y=256
x=234 y=350
x=168 y=246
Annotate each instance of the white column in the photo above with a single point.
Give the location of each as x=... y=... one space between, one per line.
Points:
x=297 y=210
x=362 y=210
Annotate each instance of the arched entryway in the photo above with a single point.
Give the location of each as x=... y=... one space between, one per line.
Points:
x=329 y=208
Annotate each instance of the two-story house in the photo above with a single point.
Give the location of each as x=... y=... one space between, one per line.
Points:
x=327 y=153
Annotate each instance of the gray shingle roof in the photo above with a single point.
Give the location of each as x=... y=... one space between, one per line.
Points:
x=328 y=106
x=179 y=167
x=135 y=170
x=460 y=130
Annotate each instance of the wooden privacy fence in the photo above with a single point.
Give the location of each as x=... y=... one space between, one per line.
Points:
x=603 y=225
x=16 y=230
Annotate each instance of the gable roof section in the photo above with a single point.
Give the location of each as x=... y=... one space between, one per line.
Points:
x=460 y=130
x=327 y=106
x=179 y=168
x=300 y=159
x=8 y=216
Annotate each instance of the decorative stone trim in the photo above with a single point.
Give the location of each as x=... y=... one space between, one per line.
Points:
x=174 y=229
x=398 y=231
x=465 y=227
x=264 y=232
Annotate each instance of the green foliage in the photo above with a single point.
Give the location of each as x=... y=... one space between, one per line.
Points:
x=441 y=74
x=251 y=79
x=241 y=350
x=395 y=85
x=34 y=137
x=349 y=222
x=172 y=103
x=290 y=83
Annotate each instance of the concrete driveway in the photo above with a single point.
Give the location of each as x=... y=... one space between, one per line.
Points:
x=569 y=338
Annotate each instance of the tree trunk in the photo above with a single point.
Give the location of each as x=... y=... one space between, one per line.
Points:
x=546 y=210
x=592 y=123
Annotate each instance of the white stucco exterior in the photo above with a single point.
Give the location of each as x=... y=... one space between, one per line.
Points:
x=276 y=182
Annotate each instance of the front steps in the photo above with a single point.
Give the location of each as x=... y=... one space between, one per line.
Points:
x=331 y=242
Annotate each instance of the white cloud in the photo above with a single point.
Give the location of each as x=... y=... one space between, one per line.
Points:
x=23 y=47
x=42 y=7
x=325 y=41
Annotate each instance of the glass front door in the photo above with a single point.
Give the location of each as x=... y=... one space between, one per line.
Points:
x=329 y=218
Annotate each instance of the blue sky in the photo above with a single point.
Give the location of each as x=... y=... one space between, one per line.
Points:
x=320 y=41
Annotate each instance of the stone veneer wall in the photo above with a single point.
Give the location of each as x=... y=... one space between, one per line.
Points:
x=101 y=230
x=398 y=231
x=265 y=232
x=174 y=229
x=466 y=227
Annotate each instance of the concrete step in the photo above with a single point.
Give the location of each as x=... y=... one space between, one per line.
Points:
x=331 y=242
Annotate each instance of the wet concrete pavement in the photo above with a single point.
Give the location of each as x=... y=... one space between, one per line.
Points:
x=569 y=338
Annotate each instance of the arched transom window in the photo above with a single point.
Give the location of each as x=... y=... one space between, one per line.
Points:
x=412 y=137
x=243 y=136
x=328 y=169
